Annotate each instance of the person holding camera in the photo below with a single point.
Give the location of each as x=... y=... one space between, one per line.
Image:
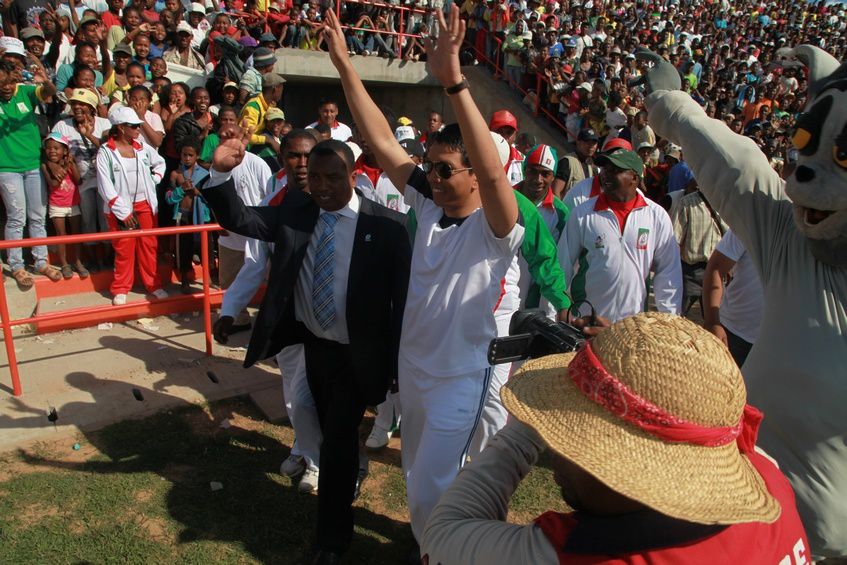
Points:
x=654 y=449
x=128 y=171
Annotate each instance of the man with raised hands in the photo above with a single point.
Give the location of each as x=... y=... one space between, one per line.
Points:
x=466 y=239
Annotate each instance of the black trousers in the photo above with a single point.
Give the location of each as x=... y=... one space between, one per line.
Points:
x=738 y=347
x=340 y=409
x=692 y=285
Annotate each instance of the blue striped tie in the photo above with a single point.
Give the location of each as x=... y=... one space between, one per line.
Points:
x=322 y=297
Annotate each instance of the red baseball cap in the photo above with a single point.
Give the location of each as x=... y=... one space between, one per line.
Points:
x=616 y=143
x=501 y=119
x=567 y=69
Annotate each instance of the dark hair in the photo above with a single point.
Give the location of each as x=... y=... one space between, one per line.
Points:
x=79 y=70
x=294 y=135
x=451 y=138
x=322 y=128
x=6 y=67
x=139 y=88
x=82 y=44
x=334 y=147
x=136 y=64
x=325 y=101
x=191 y=142
x=195 y=90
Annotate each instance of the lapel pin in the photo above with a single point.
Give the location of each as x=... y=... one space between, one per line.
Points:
x=368 y=237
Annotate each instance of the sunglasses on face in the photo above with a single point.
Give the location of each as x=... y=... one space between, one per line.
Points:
x=132 y=126
x=443 y=169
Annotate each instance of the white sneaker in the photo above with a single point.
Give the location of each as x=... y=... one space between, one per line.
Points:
x=119 y=299
x=292 y=466
x=309 y=481
x=160 y=293
x=378 y=439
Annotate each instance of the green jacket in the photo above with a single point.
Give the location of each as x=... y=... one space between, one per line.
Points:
x=540 y=252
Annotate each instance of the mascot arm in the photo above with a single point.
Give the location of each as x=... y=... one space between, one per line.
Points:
x=730 y=170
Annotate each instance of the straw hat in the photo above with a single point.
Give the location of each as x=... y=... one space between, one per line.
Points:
x=686 y=376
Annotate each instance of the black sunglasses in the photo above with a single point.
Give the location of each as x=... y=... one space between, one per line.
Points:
x=133 y=126
x=443 y=169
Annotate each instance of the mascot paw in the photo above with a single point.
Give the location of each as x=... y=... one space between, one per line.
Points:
x=661 y=76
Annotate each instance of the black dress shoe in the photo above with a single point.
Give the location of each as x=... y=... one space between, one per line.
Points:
x=360 y=477
x=240 y=328
x=325 y=557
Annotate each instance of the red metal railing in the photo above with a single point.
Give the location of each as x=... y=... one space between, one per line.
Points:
x=540 y=79
x=7 y=323
x=401 y=35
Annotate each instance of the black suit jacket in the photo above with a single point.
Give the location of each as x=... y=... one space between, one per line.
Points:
x=376 y=284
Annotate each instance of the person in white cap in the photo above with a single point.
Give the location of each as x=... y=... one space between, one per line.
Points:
x=128 y=171
x=182 y=53
x=200 y=26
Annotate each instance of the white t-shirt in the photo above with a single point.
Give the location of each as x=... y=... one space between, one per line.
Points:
x=154 y=121
x=455 y=285
x=743 y=299
x=251 y=184
x=388 y=195
x=82 y=150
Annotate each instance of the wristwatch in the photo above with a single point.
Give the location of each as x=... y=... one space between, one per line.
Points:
x=457 y=87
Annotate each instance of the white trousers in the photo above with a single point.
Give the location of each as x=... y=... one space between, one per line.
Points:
x=440 y=415
x=300 y=405
x=494 y=414
x=387 y=411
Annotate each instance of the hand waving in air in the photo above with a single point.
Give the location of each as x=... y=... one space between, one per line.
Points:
x=335 y=41
x=230 y=152
x=442 y=55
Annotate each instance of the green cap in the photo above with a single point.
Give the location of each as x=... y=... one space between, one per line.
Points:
x=623 y=159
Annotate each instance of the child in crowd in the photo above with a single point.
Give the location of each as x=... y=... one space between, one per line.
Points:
x=62 y=178
x=229 y=97
x=274 y=124
x=188 y=210
x=226 y=117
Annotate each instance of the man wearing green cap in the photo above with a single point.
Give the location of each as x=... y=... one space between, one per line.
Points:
x=622 y=237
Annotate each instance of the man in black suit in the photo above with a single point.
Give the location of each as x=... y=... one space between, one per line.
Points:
x=338 y=280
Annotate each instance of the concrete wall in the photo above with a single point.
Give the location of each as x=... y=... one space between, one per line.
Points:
x=400 y=89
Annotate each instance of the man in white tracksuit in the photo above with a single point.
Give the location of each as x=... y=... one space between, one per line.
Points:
x=622 y=237
x=466 y=239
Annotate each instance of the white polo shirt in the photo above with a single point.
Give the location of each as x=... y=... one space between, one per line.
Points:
x=456 y=281
x=619 y=264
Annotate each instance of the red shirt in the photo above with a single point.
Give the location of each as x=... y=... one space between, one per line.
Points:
x=371 y=172
x=110 y=19
x=621 y=209
x=751 y=543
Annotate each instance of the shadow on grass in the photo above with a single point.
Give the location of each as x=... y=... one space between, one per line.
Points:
x=257 y=511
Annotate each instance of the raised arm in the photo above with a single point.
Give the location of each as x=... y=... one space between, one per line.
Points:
x=495 y=191
x=370 y=121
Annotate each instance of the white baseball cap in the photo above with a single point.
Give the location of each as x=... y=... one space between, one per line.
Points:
x=404 y=132
x=124 y=115
x=197 y=7
x=354 y=147
x=13 y=46
x=183 y=26
x=503 y=149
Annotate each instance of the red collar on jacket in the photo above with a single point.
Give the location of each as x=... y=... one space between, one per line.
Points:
x=111 y=144
x=595 y=187
x=548 y=200
x=602 y=202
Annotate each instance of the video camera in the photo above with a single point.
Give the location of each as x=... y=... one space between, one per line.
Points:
x=532 y=334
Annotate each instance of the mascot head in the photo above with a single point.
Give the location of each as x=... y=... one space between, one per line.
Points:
x=818 y=186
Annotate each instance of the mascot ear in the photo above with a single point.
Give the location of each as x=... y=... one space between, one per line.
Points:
x=662 y=76
x=820 y=63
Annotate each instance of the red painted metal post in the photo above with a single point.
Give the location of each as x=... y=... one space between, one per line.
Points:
x=207 y=304
x=10 y=342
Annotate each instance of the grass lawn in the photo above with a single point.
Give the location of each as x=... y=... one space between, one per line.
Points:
x=138 y=492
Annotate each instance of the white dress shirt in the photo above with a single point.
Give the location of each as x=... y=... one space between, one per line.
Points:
x=344 y=233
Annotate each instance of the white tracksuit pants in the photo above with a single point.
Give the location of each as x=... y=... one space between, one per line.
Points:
x=300 y=404
x=440 y=416
x=494 y=414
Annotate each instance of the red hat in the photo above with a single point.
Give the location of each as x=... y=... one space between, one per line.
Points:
x=616 y=143
x=567 y=69
x=502 y=118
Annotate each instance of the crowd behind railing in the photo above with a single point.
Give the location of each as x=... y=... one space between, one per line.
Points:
x=85 y=82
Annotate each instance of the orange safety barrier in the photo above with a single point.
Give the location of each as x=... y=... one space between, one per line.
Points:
x=400 y=34
x=499 y=70
x=7 y=323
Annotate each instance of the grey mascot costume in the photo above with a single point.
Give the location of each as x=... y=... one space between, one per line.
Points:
x=796 y=233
